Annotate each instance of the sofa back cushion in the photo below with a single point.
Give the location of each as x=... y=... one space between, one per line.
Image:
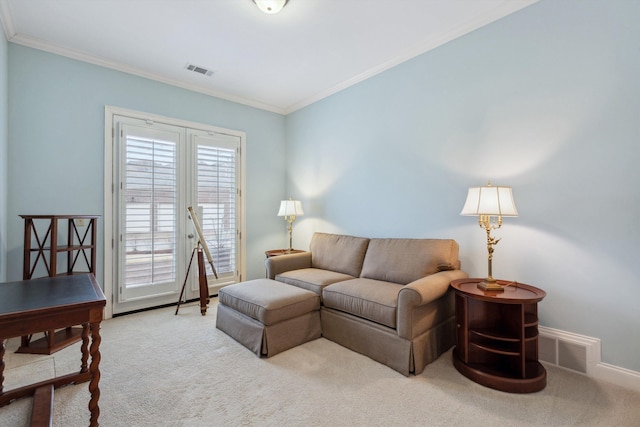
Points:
x=405 y=260
x=340 y=253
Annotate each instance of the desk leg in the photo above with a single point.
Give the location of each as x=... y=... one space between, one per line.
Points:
x=94 y=371
x=84 y=348
x=2 y=350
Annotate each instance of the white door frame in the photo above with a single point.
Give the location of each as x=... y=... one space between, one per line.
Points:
x=109 y=220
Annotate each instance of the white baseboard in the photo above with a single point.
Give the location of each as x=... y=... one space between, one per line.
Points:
x=617 y=375
x=582 y=354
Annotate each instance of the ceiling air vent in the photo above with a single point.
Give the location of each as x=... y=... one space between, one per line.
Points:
x=199 y=70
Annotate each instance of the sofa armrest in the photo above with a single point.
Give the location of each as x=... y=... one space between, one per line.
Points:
x=281 y=263
x=414 y=314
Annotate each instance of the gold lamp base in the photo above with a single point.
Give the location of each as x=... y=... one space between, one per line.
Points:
x=490 y=285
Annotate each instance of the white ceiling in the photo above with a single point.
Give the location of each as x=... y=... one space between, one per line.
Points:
x=279 y=63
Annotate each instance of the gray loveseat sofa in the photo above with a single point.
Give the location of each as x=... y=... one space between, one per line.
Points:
x=388 y=299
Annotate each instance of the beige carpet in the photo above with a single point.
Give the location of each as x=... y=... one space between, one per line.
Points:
x=164 y=370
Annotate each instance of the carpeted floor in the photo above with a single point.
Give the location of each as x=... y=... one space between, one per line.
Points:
x=164 y=370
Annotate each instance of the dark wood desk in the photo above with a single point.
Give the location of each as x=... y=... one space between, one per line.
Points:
x=32 y=306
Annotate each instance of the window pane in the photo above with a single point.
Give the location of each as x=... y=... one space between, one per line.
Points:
x=150 y=211
x=217 y=198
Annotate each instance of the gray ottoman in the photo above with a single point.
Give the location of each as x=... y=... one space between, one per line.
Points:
x=268 y=317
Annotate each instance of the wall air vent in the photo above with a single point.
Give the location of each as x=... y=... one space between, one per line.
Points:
x=567 y=350
x=199 y=70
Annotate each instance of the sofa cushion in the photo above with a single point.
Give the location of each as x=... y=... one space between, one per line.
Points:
x=405 y=260
x=337 y=252
x=268 y=301
x=371 y=299
x=312 y=279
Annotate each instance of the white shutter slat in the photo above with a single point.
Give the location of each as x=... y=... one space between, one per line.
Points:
x=150 y=211
x=216 y=195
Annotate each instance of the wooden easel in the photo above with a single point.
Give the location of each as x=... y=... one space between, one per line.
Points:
x=202 y=281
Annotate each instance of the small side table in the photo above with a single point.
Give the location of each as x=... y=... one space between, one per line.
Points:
x=277 y=252
x=497 y=336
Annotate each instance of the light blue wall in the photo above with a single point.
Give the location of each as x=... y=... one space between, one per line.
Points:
x=546 y=100
x=3 y=156
x=56 y=145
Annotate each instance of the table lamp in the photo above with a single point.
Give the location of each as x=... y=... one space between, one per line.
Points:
x=290 y=209
x=490 y=204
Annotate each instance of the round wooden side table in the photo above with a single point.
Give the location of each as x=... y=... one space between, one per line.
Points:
x=497 y=336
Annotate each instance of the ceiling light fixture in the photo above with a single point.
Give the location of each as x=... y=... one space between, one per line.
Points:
x=270 y=6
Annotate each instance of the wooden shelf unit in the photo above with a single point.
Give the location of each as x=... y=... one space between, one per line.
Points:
x=41 y=249
x=497 y=336
x=47 y=246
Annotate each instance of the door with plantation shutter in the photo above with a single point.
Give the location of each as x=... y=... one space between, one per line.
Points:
x=163 y=169
x=215 y=160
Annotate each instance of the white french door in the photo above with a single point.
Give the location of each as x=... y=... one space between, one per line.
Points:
x=160 y=170
x=214 y=157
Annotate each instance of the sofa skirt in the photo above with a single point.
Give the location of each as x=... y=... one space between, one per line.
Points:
x=428 y=346
x=268 y=340
x=383 y=344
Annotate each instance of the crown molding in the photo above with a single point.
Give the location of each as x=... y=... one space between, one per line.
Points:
x=506 y=8
x=6 y=19
x=80 y=56
x=39 y=44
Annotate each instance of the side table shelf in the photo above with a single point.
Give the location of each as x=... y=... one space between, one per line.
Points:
x=41 y=249
x=497 y=336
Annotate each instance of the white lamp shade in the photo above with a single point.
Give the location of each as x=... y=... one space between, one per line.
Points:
x=270 y=6
x=490 y=200
x=290 y=208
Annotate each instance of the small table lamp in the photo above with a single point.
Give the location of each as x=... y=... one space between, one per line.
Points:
x=289 y=209
x=490 y=204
